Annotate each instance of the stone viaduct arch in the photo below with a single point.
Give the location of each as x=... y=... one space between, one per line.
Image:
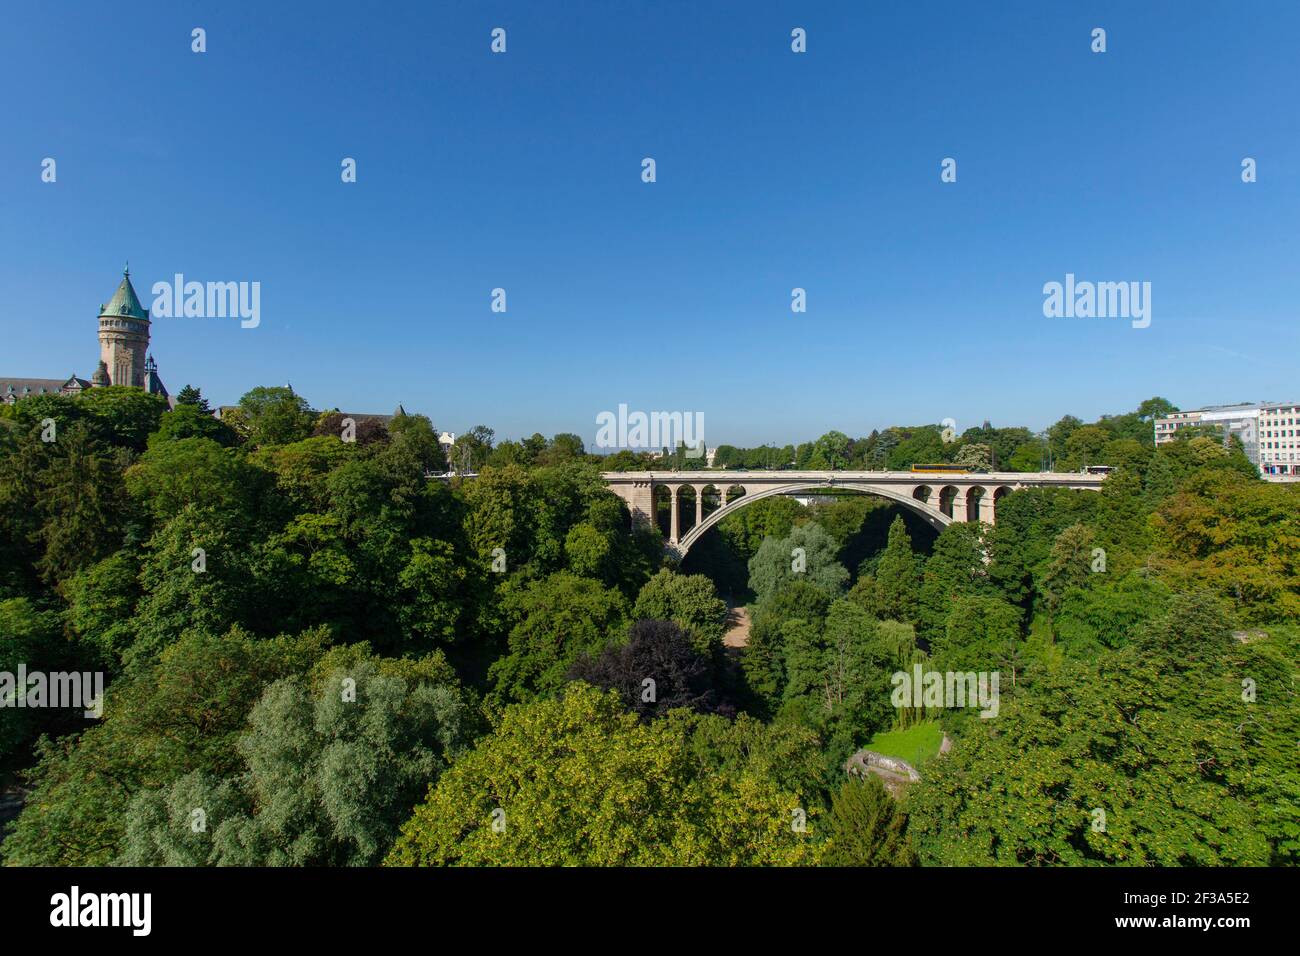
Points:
x=940 y=498
x=936 y=519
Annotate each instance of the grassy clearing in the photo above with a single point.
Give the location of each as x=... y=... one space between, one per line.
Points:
x=916 y=744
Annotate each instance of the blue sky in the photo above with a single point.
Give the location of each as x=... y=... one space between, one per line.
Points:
x=775 y=170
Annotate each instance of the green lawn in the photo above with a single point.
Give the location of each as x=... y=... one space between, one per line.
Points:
x=916 y=745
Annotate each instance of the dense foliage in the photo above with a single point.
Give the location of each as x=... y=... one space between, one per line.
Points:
x=320 y=648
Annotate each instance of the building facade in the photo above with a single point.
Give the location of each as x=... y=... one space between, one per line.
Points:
x=1269 y=433
x=1279 y=441
x=123 y=354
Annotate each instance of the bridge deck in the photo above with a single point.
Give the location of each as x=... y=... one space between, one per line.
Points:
x=1023 y=478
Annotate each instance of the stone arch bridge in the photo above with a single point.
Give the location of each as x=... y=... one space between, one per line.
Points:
x=940 y=498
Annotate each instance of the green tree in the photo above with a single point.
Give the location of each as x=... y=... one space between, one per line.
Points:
x=189 y=395
x=1156 y=408
x=275 y=415
x=1069 y=565
x=763 y=660
x=1100 y=763
x=101 y=603
x=1110 y=614
x=982 y=633
x=831 y=451
x=1028 y=457
x=29 y=638
x=1239 y=537
x=501 y=513
x=1195 y=631
x=954 y=569
x=898 y=577
x=196 y=577
x=123 y=415
x=557 y=619
x=433 y=589
x=473 y=449
x=193 y=421
x=579 y=781
x=976 y=457
x=190 y=472
x=688 y=600
x=842 y=668
x=416 y=435
x=82 y=506
x=301 y=469
x=866 y=827
x=806 y=553
x=565 y=446
x=331 y=774
x=916 y=446
x=1160 y=480
x=588 y=551
x=183 y=713
x=1084 y=447
x=787 y=752
x=1059 y=434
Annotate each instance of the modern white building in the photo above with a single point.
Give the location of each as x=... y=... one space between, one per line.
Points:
x=1279 y=441
x=1269 y=433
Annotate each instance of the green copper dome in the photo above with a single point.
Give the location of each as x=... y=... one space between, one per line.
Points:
x=124 y=301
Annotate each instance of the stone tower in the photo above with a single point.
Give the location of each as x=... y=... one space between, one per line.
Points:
x=124 y=336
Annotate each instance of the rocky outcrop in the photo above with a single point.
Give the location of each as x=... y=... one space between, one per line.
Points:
x=895 y=774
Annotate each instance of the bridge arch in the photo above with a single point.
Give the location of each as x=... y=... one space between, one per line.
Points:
x=939 y=499
x=947 y=496
x=936 y=519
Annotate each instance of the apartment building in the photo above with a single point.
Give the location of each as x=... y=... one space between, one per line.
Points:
x=1269 y=432
x=1279 y=441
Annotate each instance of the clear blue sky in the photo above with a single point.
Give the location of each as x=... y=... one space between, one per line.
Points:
x=775 y=170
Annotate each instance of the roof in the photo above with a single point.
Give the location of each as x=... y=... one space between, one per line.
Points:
x=21 y=387
x=360 y=417
x=153 y=384
x=1233 y=407
x=1230 y=407
x=124 y=301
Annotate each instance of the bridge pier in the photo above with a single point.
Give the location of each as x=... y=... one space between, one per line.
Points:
x=640 y=498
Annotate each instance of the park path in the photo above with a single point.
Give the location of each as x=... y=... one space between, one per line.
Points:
x=737 y=635
x=11 y=804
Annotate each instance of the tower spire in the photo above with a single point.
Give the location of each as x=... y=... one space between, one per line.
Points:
x=124 y=335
